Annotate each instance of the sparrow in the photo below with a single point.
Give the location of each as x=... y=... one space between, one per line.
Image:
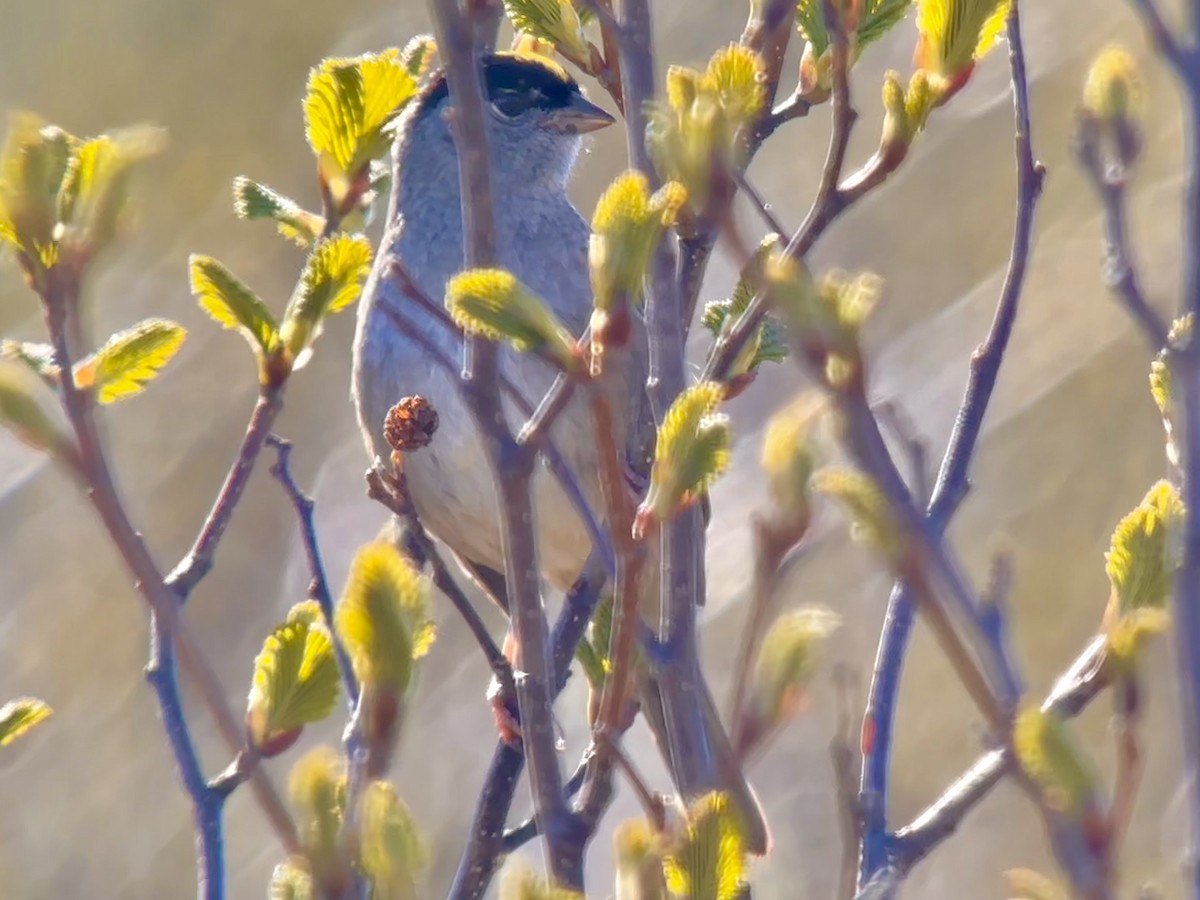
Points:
x=536 y=116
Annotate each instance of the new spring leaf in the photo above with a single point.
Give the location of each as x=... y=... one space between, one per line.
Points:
x=953 y=35
x=295 y=678
x=766 y=344
x=25 y=409
x=348 y=103
x=493 y=303
x=20 y=715
x=556 y=21
x=692 y=451
x=130 y=359
x=392 y=852
x=710 y=859
x=231 y=303
x=252 y=200
x=626 y=227
x=1142 y=559
x=332 y=281
x=383 y=617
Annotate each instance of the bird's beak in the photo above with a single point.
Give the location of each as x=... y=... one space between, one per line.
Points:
x=578 y=117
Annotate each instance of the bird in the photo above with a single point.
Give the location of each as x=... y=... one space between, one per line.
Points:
x=537 y=117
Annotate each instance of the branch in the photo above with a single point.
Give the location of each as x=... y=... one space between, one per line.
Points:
x=1161 y=36
x=953 y=476
x=62 y=306
x=511 y=468
x=830 y=202
x=319 y=584
x=207 y=804
x=481 y=856
x=1082 y=683
x=843 y=755
x=1120 y=274
x=199 y=560
x=611 y=719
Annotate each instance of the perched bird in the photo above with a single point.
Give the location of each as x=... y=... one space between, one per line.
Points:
x=535 y=116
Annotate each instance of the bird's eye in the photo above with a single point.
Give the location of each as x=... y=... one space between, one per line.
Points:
x=510 y=104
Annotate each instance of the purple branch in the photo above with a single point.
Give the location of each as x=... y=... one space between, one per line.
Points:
x=319 y=584
x=952 y=482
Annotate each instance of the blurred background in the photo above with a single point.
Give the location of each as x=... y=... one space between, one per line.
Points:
x=92 y=805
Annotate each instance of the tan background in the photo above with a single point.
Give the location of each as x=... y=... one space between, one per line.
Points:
x=91 y=806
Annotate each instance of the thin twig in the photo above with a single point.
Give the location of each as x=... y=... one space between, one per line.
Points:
x=760 y=205
x=1109 y=179
x=844 y=759
x=1129 y=761
x=953 y=478
x=207 y=805
x=319 y=583
x=682 y=539
x=199 y=559
x=614 y=696
x=522 y=834
x=1161 y=36
x=543 y=418
x=915 y=449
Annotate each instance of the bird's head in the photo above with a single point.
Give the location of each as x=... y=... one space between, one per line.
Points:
x=536 y=116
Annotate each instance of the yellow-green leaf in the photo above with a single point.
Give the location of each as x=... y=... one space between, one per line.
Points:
x=493 y=303
x=25 y=408
x=1130 y=632
x=866 y=506
x=789 y=456
x=392 y=852
x=955 y=33
x=1027 y=884
x=709 y=862
x=18 y=716
x=295 y=677
x=224 y=297
x=347 y=105
x=639 y=851
x=519 y=882
x=556 y=21
x=790 y=655
x=96 y=184
x=130 y=359
x=1050 y=757
x=383 y=617
x=766 y=344
x=878 y=18
x=1142 y=558
x=736 y=74
x=317 y=789
x=419 y=56
x=691 y=452
x=626 y=226
x=1113 y=89
x=332 y=281
x=252 y=200
x=32 y=165
x=291 y=881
